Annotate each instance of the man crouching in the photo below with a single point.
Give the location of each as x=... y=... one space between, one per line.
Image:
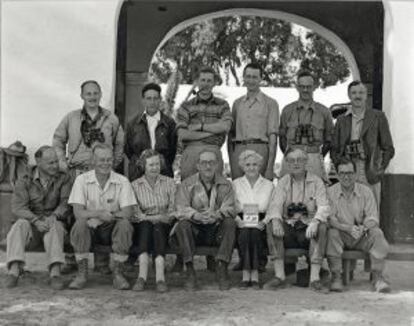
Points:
x=354 y=224
x=299 y=210
x=102 y=202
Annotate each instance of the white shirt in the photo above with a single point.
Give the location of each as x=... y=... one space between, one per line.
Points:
x=116 y=194
x=260 y=194
x=152 y=124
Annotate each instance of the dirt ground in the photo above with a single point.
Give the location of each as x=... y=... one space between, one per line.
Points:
x=34 y=303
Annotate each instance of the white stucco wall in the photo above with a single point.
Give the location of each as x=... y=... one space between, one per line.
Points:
x=49 y=47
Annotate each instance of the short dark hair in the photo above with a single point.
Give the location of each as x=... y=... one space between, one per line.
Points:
x=291 y=149
x=146 y=154
x=90 y=82
x=305 y=73
x=345 y=161
x=355 y=83
x=206 y=70
x=151 y=86
x=255 y=66
x=42 y=149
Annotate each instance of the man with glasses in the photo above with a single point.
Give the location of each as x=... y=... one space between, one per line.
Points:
x=354 y=224
x=298 y=212
x=206 y=211
x=307 y=125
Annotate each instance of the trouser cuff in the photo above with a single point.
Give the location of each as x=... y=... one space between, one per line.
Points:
x=82 y=256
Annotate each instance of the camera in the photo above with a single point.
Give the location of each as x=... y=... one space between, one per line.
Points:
x=304 y=131
x=294 y=208
x=355 y=150
x=94 y=135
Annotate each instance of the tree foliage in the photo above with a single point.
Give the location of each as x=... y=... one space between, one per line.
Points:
x=228 y=43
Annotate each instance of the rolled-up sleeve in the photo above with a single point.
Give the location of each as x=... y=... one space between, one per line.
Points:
x=78 y=192
x=273 y=118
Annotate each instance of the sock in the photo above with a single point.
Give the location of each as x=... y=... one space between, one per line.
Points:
x=159 y=269
x=315 y=269
x=14 y=268
x=143 y=266
x=246 y=275
x=254 y=275
x=280 y=269
x=55 y=270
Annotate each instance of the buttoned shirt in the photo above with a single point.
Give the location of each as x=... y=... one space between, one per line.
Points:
x=356 y=209
x=357 y=121
x=297 y=113
x=259 y=194
x=208 y=111
x=33 y=201
x=255 y=118
x=157 y=200
x=152 y=124
x=116 y=194
x=192 y=197
x=311 y=192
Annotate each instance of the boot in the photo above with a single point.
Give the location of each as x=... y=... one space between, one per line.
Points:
x=380 y=284
x=119 y=281
x=80 y=280
x=191 y=281
x=211 y=264
x=178 y=265
x=13 y=275
x=70 y=265
x=224 y=283
x=101 y=261
x=336 y=282
x=56 y=281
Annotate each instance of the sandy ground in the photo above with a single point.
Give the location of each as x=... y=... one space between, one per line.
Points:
x=34 y=303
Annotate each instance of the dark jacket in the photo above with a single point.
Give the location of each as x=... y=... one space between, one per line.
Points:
x=375 y=137
x=138 y=139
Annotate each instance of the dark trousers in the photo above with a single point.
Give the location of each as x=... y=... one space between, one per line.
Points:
x=221 y=234
x=151 y=238
x=251 y=247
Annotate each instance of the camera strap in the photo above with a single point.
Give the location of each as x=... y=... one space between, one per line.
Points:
x=299 y=110
x=291 y=189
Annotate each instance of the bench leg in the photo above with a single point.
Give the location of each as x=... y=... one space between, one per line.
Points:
x=346 y=268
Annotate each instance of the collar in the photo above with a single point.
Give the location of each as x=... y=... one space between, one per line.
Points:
x=156 y=116
x=309 y=178
x=311 y=106
x=350 y=111
x=36 y=175
x=339 y=193
x=90 y=177
x=142 y=180
x=143 y=118
x=101 y=111
x=211 y=100
x=258 y=182
x=259 y=97
x=216 y=181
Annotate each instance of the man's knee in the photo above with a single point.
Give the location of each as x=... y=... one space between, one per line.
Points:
x=229 y=224
x=21 y=223
x=124 y=226
x=376 y=233
x=183 y=226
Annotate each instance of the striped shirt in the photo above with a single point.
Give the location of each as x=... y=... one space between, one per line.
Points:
x=154 y=202
x=197 y=111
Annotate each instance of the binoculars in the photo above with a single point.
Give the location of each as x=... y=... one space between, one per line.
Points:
x=94 y=135
x=294 y=208
x=304 y=131
x=355 y=150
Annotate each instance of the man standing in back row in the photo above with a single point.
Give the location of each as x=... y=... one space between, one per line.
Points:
x=256 y=124
x=307 y=125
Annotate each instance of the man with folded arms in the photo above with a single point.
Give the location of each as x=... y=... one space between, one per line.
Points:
x=39 y=203
x=354 y=224
x=205 y=209
x=102 y=202
x=299 y=210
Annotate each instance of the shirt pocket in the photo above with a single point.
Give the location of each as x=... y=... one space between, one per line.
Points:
x=292 y=125
x=318 y=128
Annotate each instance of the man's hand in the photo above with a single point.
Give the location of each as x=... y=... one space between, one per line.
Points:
x=42 y=226
x=106 y=216
x=94 y=223
x=195 y=127
x=312 y=230
x=278 y=228
x=239 y=222
x=261 y=226
x=356 y=232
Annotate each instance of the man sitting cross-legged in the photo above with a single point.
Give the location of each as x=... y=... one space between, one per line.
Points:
x=39 y=203
x=102 y=202
x=354 y=224
x=206 y=211
x=299 y=210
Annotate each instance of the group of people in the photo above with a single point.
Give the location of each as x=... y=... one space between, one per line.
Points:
x=148 y=212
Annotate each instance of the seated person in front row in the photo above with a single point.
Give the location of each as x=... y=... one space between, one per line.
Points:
x=354 y=224
x=155 y=194
x=253 y=193
x=205 y=210
x=299 y=210
x=103 y=203
x=39 y=203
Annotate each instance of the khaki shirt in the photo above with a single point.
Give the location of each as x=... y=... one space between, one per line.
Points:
x=255 y=118
x=116 y=194
x=359 y=208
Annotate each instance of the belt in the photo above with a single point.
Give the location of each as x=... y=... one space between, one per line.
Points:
x=307 y=148
x=250 y=141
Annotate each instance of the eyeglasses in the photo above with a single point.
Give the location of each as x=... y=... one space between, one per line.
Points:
x=346 y=174
x=300 y=160
x=207 y=163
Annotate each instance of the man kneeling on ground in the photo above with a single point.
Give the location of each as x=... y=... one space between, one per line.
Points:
x=102 y=202
x=354 y=225
x=40 y=203
x=206 y=211
x=299 y=210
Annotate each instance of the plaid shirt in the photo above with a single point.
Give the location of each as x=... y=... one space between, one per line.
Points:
x=156 y=201
x=208 y=111
x=33 y=201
